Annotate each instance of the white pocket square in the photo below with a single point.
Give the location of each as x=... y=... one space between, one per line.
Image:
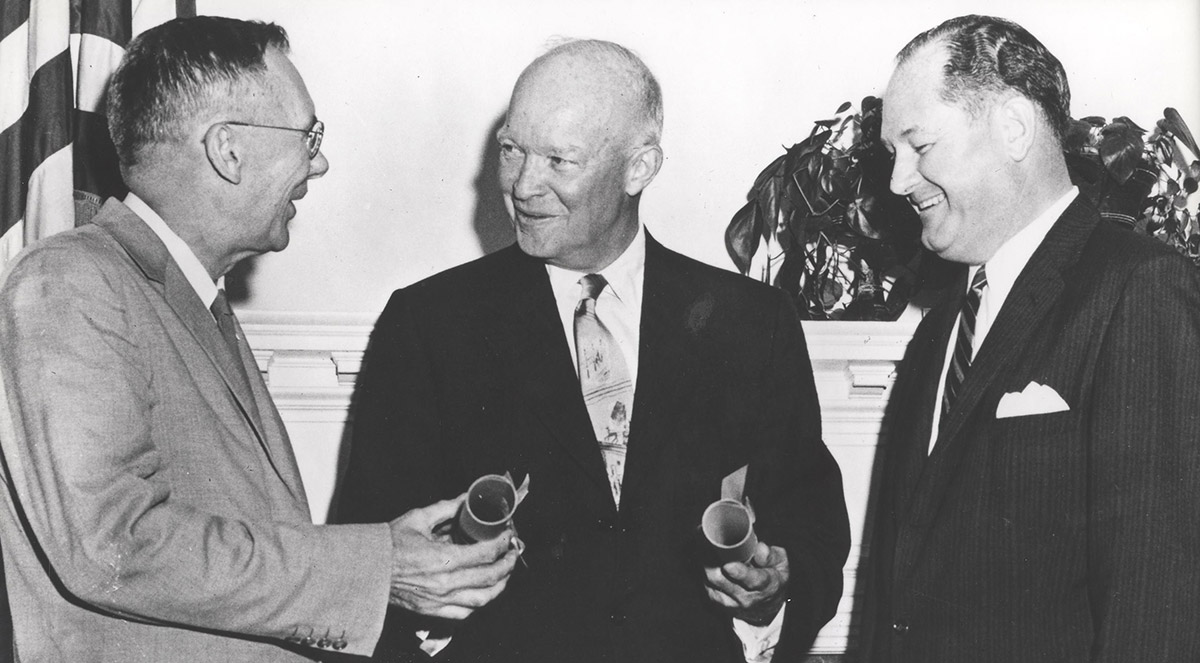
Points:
x=1034 y=399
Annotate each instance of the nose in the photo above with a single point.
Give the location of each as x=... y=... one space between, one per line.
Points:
x=904 y=173
x=318 y=166
x=527 y=178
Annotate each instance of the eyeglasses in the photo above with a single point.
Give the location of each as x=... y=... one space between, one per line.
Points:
x=312 y=137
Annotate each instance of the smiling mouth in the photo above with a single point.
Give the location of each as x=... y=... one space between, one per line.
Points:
x=923 y=205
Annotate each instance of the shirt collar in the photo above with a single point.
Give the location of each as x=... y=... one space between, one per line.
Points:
x=624 y=275
x=1010 y=259
x=181 y=253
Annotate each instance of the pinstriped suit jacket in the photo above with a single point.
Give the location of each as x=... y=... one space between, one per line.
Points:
x=1071 y=536
x=153 y=510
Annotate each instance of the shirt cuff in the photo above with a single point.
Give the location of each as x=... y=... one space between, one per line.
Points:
x=758 y=642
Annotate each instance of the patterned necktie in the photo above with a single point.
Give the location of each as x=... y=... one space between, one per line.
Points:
x=605 y=382
x=964 y=345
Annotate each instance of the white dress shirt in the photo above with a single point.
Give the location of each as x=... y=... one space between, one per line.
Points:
x=619 y=307
x=1003 y=268
x=181 y=253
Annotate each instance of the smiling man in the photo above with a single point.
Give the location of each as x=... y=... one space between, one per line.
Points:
x=626 y=381
x=153 y=509
x=1040 y=494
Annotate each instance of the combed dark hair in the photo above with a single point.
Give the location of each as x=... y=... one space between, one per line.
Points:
x=174 y=71
x=649 y=93
x=989 y=55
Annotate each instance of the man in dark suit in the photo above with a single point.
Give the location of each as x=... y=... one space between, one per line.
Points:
x=1040 y=494
x=626 y=381
x=152 y=508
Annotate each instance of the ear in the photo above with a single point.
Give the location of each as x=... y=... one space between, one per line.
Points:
x=1018 y=119
x=641 y=168
x=224 y=158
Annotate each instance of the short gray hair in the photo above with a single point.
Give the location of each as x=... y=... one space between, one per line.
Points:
x=174 y=71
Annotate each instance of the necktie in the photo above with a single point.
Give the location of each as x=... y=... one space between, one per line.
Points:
x=224 y=317
x=963 y=346
x=605 y=382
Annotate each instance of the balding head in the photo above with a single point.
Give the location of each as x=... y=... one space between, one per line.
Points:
x=608 y=72
x=579 y=145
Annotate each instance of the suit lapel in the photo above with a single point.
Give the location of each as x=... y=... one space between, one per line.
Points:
x=153 y=259
x=524 y=328
x=1033 y=296
x=663 y=367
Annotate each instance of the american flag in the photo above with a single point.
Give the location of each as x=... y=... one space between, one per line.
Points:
x=57 y=163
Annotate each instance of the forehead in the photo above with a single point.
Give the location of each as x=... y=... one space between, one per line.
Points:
x=567 y=104
x=913 y=99
x=285 y=87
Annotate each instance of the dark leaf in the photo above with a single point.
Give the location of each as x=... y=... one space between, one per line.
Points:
x=1079 y=134
x=831 y=292
x=826 y=123
x=741 y=237
x=1178 y=127
x=1189 y=185
x=773 y=170
x=1121 y=147
x=857 y=215
x=1124 y=121
x=844 y=107
x=769 y=200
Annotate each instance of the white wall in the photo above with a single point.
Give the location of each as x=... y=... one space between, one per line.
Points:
x=411 y=91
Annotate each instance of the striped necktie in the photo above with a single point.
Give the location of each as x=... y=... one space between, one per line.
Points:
x=964 y=345
x=605 y=382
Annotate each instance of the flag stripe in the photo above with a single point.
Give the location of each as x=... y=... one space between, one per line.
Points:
x=13 y=13
x=44 y=128
x=100 y=58
x=110 y=19
x=96 y=168
x=14 y=75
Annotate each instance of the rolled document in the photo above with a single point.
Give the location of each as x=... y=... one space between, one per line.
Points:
x=728 y=525
x=488 y=510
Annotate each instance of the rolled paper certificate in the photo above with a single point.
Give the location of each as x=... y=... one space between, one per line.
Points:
x=729 y=527
x=487 y=511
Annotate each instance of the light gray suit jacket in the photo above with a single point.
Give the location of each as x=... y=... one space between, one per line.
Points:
x=153 y=510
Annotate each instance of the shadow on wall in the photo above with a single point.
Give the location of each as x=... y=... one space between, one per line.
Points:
x=491 y=221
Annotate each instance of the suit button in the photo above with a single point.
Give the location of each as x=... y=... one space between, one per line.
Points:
x=900 y=628
x=323 y=643
x=340 y=644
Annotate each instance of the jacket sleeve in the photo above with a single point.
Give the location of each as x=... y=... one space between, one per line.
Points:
x=105 y=505
x=1144 y=470
x=799 y=474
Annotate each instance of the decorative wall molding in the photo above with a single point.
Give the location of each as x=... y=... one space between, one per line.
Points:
x=311 y=360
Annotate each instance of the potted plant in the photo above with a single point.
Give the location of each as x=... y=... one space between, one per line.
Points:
x=822 y=224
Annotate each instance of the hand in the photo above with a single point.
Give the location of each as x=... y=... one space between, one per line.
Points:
x=434 y=577
x=752 y=592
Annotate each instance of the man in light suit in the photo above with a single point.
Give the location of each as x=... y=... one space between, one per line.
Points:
x=1040 y=494
x=152 y=508
x=493 y=367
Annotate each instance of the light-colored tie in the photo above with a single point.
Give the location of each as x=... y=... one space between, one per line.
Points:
x=960 y=363
x=605 y=382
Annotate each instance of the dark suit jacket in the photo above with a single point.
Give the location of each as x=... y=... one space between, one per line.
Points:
x=469 y=372
x=1060 y=537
